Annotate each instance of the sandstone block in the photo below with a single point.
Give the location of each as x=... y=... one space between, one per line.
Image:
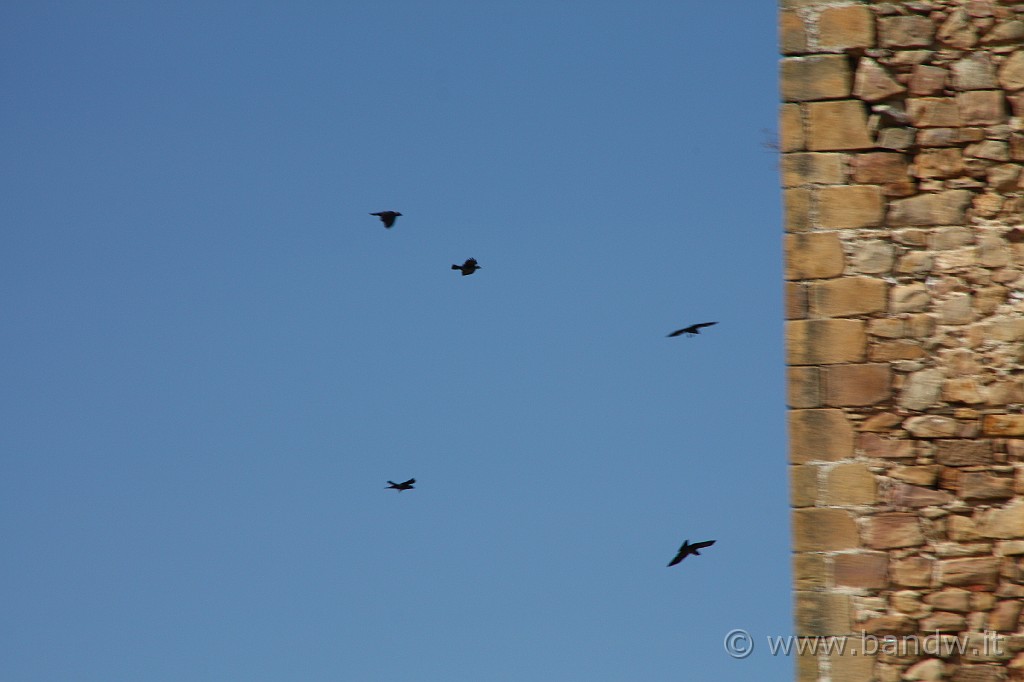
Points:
x=850 y=483
x=1005 y=616
x=819 y=435
x=972 y=571
x=837 y=126
x=927 y=80
x=906 y=298
x=921 y=389
x=974 y=72
x=873 y=83
x=809 y=571
x=791 y=128
x=931 y=426
x=905 y=31
x=939 y=208
x=825 y=342
x=796 y=300
x=939 y=163
x=797 y=204
x=917 y=475
x=872 y=256
x=1003 y=425
x=953 y=599
x=904 y=495
x=857 y=384
x=820 y=529
x=982 y=486
x=982 y=107
x=851 y=667
x=813 y=255
x=803 y=485
x=850 y=206
x=956 y=310
x=963 y=452
x=814 y=78
x=943 y=621
x=933 y=112
x=844 y=28
x=822 y=613
x=962 y=529
x=879 y=168
x=866 y=570
x=915 y=571
x=872 y=445
x=792 y=33
x=892 y=531
x=1011 y=73
x=804 y=387
x=848 y=296
x=818 y=168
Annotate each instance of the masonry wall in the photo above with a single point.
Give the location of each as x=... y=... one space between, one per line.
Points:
x=902 y=140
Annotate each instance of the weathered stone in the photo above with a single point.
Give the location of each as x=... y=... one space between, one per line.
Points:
x=803 y=485
x=1005 y=616
x=886 y=327
x=992 y=250
x=813 y=255
x=915 y=261
x=983 y=486
x=797 y=204
x=953 y=599
x=933 y=112
x=980 y=571
x=844 y=28
x=909 y=298
x=892 y=530
x=872 y=445
x=943 y=621
x=974 y=72
x=836 y=126
x=993 y=150
x=928 y=670
x=1004 y=178
x=804 y=168
x=958 y=31
x=819 y=435
x=825 y=342
x=866 y=570
x=982 y=107
x=894 y=624
x=963 y=452
x=848 y=206
x=792 y=33
x=791 y=128
x=1005 y=32
x=822 y=613
x=927 y=80
x=916 y=475
x=856 y=384
x=940 y=208
x=895 y=138
x=796 y=300
x=851 y=666
x=938 y=163
x=956 y=309
x=903 y=349
x=931 y=426
x=1011 y=73
x=879 y=168
x=1003 y=425
x=872 y=256
x=847 y=296
x=1005 y=329
x=809 y=571
x=849 y=483
x=821 y=529
x=880 y=422
x=915 y=571
x=905 y=31
x=904 y=495
x=921 y=389
x=962 y=529
x=804 y=387
x=873 y=83
x=816 y=77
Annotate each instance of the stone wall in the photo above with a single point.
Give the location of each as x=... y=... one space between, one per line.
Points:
x=902 y=140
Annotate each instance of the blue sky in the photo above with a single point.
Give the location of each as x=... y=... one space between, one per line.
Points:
x=214 y=357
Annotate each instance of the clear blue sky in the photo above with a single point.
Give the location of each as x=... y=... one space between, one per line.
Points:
x=214 y=358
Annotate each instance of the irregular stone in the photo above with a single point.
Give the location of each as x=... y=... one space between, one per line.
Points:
x=872 y=256
x=994 y=150
x=837 y=126
x=905 y=31
x=921 y=389
x=904 y=495
x=938 y=163
x=1004 y=178
x=958 y=31
x=882 y=421
x=866 y=570
x=895 y=138
x=915 y=571
x=1003 y=425
x=886 y=327
x=819 y=435
x=849 y=483
x=825 y=342
x=823 y=529
x=903 y=349
x=931 y=426
x=1005 y=329
x=980 y=571
x=892 y=531
x=962 y=529
x=983 y=486
x=1011 y=73
x=909 y=297
x=848 y=296
x=956 y=309
x=894 y=624
x=872 y=445
x=992 y=251
x=813 y=255
x=928 y=670
x=850 y=206
x=943 y=621
x=982 y=107
x=916 y=475
x=963 y=452
x=913 y=262
x=940 y=208
x=879 y=168
x=950 y=599
x=1005 y=32
x=974 y=72
x=927 y=80
x=962 y=390
x=1005 y=616
x=857 y=384
x=844 y=28
x=873 y=83
x=816 y=77
x=809 y=571
x=933 y=112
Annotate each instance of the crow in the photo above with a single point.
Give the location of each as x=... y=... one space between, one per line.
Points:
x=387 y=217
x=692 y=329
x=468 y=268
x=407 y=485
x=687 y=549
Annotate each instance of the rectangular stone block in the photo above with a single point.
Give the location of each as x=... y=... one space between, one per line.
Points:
x=865 y=570
x=906 y=31
x=803 y=387
x=892 y=531
x=816 y=77
x=982 y=107
x=850 y=483
x=813 y=255
x=933 y=112
x=850 y=206
x=915 y=571
x=803 y=485
x=825 y=342
x=791 y=128
x=797 y=204
x=822 y=614
x=818 y=168
x=1003 y=424
x=848 y=296
x=792 y=33
x=879 y=168
x=844 y=28
x=939 y=208
x=957 y=452
x=819 y=435
x=857 y=385
x=973 y=571
x=837 y=126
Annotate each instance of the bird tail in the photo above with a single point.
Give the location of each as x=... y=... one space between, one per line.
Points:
x=456 y=267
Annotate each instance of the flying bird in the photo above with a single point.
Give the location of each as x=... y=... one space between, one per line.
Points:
x=387 y=217
x=468 y=268
x=692 y=329
x=405 y=485
x=687 y=549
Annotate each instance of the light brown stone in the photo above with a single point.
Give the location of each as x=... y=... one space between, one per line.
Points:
x=850 y=206
x=943 y=621
x=809 y=571
x=850 y=667
x=1011 y=32
x=953 y=599
x=865 y=570
x=825 y=342
x=1003 y=425
x=814 y=78
x=917 y=475
x=813 y=255
x=892 y=531
x=904 y=495
x=797 y=204
x=873 y=83
x=958 y=31
x=849 y=483
x=848 y=296
x=940 y=208
x=803 y=485
x=982 y=107
x=879 y=168
x=974 y=72
x=991 y=150
x=931 y=426
x=872 y=256
x=791 y=128
x=818 y=168
x=844 y=28
x=1003 y=523
x=929 y=670
x=927 y=80
x=915 y=571
x=982 y=486
x=956 y=309
x=792 y=33
x=837 y=126
x=921 y=389
x=903 y=349
x=822 y=613
x=857 y=384
x=939 y=163
x=821 y=529
x=905 y=31
x=962 y=529
x=933 y=112
x=1005 y=616
x=963 y=452
x=819 y=435
x=872 y=445
x=1011 y=73
x=804 y=387
x=906 y=298
x=972 y=571
x=796 y=300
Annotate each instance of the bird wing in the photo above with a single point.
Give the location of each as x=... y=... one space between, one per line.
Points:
x=678 y=332
x=702 y=325
x=679 y=557
x=413 y=480
x=702 y=545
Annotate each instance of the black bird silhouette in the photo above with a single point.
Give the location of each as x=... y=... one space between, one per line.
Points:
x=387 y=217
x=687 y=549
x=406 y=485
x=692 y=329
x=468 y=268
